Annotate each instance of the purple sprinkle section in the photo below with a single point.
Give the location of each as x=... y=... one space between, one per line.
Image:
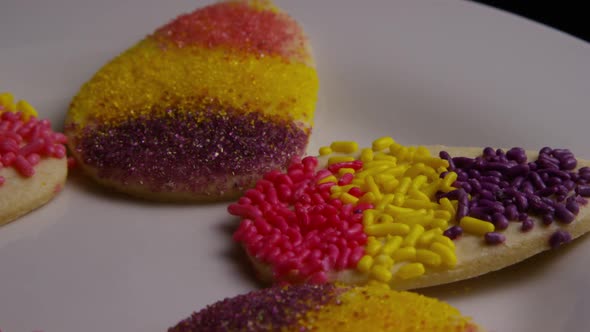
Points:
x=504 y=186
x=192 y=151
x=494 y=238
x=527 y=224
x=271 y=309
x=453 y=232
x=558 y=238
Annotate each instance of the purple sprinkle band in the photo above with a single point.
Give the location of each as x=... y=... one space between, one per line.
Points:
x=271 y=309
x=189 y=151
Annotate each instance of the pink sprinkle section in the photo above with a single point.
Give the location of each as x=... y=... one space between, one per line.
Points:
x=291 y=223
x=236 y=25
x=23 y=143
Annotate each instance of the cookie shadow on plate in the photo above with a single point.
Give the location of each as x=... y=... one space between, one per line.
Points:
x=235 y=254
x=84 y=183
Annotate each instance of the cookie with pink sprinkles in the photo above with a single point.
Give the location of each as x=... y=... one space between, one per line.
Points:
x=33 y=165
x=411 y=216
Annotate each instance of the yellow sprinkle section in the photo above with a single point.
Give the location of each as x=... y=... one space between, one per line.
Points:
x=344 y=146
x=339 y=159
x=7 y=104
x=428 y=237
x=131 y=85
x=476 y=226
x=365 y=264
x=428 y=257
x=330 y=178
x=382 y=143
x=411 y=270
x=325 y=150
x=373 y=246
x=406 y=223
x=387 y=229
x=347 y=198
x=415 y=232
x=391 y=245
x=378 y=309
x=404 y=254
x=444 y=240
x=263 y=5
x=381 y=273
x=446 y=253
x=366 y=155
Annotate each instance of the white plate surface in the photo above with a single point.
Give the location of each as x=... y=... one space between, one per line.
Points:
x=425 y=72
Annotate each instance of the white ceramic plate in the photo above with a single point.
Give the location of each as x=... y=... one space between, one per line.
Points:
x=448 y=72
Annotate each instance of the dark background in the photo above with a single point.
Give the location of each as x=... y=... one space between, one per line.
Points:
x=566 y=16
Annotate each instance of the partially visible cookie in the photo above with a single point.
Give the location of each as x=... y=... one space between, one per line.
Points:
x=328 y=308
x=33 y=164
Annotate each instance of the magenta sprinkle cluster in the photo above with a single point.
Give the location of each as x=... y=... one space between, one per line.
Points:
x=24 y=141
x=263 y=310
x=291 y=223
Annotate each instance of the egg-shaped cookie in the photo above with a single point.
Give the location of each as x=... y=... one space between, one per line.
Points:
x=201 y=108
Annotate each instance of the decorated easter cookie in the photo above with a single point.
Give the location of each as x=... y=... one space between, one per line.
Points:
x=201 y=108
x=327 y=307
x=33 y=166
x=405 y=217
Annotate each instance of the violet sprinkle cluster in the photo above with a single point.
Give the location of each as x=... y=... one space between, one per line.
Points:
x=505 y=186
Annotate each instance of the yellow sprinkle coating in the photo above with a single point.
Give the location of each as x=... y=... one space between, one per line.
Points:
x=347 y=198
x=364 y=265
x=406 y=223
x=404 y=254
x=444 y=240
x=377 y=309
x=131 y=85
x=368 y=218
x=382 y=143
x=329 y=178
x=428 y=257
x=411 y=270
x=415 y=232
x=373 y=246
x=387 y=229
x=325 y=150
x=366 y=155
x=428 y=237
x=339 y=159
x=476 y=226
x=345 y=170
x=344 y=146
x=391 y=245
x=380 y=156
x=7 y=102
x=381 y=273
x=447 y=255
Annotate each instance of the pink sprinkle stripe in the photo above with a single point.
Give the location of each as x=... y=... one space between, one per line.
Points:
x=290 y=223
x=23 y=143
